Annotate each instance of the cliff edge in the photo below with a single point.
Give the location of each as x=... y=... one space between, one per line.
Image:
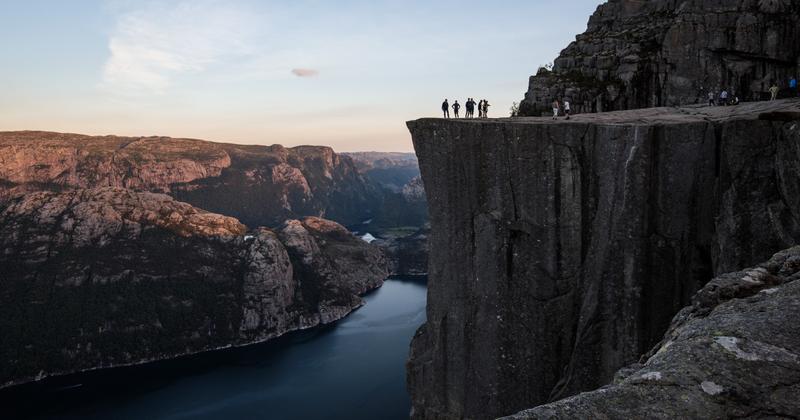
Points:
x=561 y=250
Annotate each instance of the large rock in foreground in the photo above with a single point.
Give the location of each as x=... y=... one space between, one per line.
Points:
x=560 y=251
x=735 y=353
x=637 y=54
x=94 y=278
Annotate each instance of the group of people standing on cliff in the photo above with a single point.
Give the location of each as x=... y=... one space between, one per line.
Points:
x=727 y=97
x=483 y=108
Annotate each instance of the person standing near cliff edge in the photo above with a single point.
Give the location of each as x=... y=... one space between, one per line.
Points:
x=446 y=108
x=556 y=107
x=566 y=108
x=486 y=108
x=456 y=108
x=773 y=91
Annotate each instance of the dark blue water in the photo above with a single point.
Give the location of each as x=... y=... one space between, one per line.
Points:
x=354 y=369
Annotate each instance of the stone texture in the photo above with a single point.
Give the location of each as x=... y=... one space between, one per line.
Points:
x=734 y=353
x=637 y=54
x=561 y=250
x=94 y=278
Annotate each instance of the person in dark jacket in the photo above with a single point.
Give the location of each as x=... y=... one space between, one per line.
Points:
x=456 y=108
x=446 y=108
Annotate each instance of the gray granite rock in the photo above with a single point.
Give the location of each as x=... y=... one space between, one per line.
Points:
x=637 y=54
x=561 y=250
x=735 y=353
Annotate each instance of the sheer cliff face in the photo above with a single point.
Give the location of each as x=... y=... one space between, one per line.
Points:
x=259 y=185
x=638 y=54
x=561 y=250
x=734 y=353
x=93 y=278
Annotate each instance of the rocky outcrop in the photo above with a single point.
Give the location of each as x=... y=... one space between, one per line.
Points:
x=259 y=185
x=93 y=278
x=266 y=185
x=560 y=251
x=33 y=160
x=734 y=353
x=407 y=253
x=637 y=54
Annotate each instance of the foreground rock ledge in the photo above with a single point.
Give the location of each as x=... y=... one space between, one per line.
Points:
x=735 y=353
x=561 y=250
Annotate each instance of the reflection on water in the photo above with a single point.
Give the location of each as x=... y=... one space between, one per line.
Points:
x=354 y=369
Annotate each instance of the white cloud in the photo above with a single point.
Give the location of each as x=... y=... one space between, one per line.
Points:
x=152 y=46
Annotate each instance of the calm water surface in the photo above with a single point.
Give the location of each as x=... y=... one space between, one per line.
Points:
x=354 y=369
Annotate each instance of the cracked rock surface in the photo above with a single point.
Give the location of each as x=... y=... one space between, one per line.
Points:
x=638 y=54
x=561 y=250
x=734 y=353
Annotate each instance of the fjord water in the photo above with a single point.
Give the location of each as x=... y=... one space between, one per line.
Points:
x=354 y=369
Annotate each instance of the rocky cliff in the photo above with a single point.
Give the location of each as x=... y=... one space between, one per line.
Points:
x=637 y=54
x=259 y=185
x=560 y=251
x=93 y=278
x=734 y=353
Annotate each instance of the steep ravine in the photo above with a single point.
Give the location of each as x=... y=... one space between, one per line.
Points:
x=560 y=251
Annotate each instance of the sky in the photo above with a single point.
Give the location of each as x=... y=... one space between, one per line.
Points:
x=344 y=73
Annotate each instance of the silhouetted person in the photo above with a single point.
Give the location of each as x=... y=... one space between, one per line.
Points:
x=486 y=108
x=446 y=108
x=471 y=108
x=793 y=86
x=773 y=92
x=456 y=107
x=556 y=107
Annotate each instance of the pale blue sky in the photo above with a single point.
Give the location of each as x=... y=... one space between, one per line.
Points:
x=223 y=70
